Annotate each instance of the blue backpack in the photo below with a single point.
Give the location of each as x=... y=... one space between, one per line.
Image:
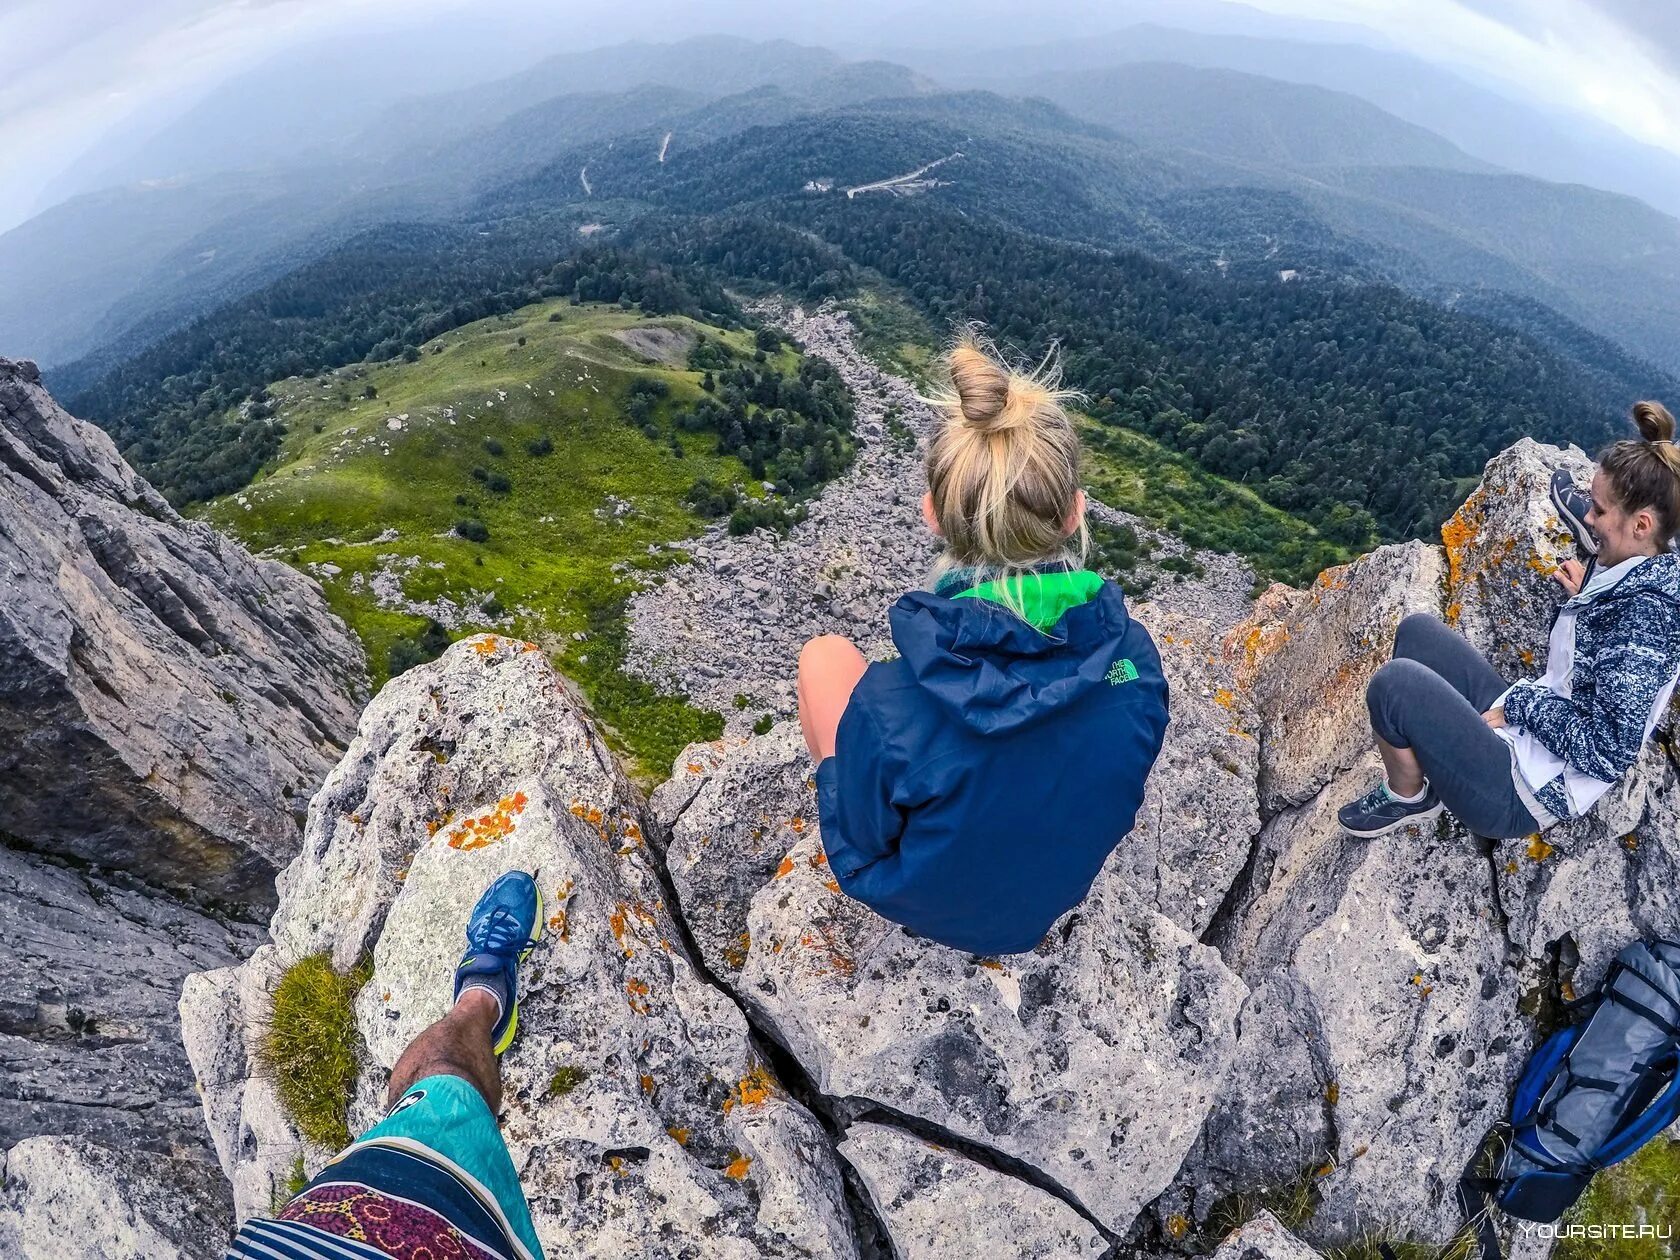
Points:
x=1591 y=1095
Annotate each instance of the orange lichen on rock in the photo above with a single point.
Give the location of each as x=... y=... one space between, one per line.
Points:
x=678 y=1134
x=1225 y=697
x=737 y=1170
x=638 y=991
x=786 y=868
x=1538 y=849
x=735 y=954
x=560 y=921
x=798 y=825
x=486 y=644
x=495 y=824
x=647 y=1084
x=1458 y=533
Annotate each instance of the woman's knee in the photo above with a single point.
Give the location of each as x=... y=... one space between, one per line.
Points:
x=1389 y=693
x=1415 y=628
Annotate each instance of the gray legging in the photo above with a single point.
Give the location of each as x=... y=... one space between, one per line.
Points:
x=1430 y=698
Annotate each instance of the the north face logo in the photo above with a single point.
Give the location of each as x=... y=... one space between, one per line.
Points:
x=1122 y=671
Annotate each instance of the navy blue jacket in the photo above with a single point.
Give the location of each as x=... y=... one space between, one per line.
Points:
x=980 y=780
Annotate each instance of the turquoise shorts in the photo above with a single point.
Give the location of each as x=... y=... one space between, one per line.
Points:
x=450 y=1118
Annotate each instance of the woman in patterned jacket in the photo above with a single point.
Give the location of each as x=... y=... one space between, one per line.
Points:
x=1510 y=760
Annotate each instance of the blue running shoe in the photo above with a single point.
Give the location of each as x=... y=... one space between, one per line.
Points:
x=1379 y=812
x=506 y=925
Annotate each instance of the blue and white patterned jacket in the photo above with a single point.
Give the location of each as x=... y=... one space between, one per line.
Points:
x=1613 y=656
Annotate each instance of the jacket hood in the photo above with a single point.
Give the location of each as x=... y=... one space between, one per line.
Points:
x=993 y=672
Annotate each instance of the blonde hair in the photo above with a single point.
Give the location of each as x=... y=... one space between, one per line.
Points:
x=1003 y=467
x=1645 y=472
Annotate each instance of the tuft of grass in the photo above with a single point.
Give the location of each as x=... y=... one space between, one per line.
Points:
x=310 y=1047
x=1643 y=1190
x=290 y=1188
x=565 y=1080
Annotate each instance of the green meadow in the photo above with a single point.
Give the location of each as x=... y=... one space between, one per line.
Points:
x=499 y=474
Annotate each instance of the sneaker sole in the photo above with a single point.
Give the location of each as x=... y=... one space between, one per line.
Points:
x=513 y=1019
x=1577 y=529
x=1428 y=815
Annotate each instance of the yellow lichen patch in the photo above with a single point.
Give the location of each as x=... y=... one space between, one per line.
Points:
x=735 y=954
x=990 y=964
x=1457 y=535
x=560 y=921
x=616 y=1163
x=435 y=825
x=1541 y=565
x=1511 y=866
x=737 y=1170
x=1225 y=697
x=1526 y=655
x=647 y=1084
x=1323 y=1171
x=486 y=644
x=798 y=825
x=1424 y=990
x=1178 y=1225
x=1332 y=1093
x=756 y=1089
x=832 y=884
x=632 y=833
x=678 y=1134
x=495 y=824
x=694 y=767
x=786 y=867
x=1538 y=849
x=638 y=991
x=1630 y=842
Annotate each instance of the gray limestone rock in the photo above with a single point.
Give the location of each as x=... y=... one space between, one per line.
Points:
x=89 y=1045
x=69 y=1199
x=1264 y=1238
x=1307 y=661
x=939 y=1205
x=167 y=703
x=636 y=1104
x=1093 y=1059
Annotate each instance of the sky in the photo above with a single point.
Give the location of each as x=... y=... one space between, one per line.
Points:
x=84 y=66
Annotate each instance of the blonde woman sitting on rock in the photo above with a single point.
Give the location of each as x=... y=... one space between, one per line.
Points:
x=1510 y=760
x=971 y=788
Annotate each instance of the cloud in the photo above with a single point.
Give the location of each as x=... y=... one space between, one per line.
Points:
x=1614 y=59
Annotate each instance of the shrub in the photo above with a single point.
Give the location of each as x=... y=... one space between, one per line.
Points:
x=473 y=530
x=499 y=484
x=416 y=649
x=310 y=1048
x=540 y=446
x=493 y=446
x=480 y=473
x=492 y=607
x=370 y=391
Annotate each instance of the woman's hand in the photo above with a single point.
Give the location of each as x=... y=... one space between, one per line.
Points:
x=1569 y=575
x=1495 y=718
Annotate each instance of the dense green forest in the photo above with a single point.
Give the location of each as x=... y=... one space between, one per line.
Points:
x=1348 y=402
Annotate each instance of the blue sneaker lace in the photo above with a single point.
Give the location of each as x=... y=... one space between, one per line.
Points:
x=501 y=933
x=1375 y=799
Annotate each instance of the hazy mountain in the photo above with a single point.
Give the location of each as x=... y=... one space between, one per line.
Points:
x=1243 y=118
x=1499 y=128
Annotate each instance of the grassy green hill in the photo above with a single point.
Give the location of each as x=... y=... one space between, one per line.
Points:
x=518 y=423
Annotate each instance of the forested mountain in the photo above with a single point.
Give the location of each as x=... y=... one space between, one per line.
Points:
x=1346 y=401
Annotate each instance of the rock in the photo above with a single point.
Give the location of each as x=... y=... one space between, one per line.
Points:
x=167 y=702
x=1307 y=661
x=1092 y=1059
x=1201 y=808
x=1391 y=956
x=1502 y=546
x=938 y=1205
x=1264 y=1238
x=88 y=1037
x=636 y=1105
x=67 y=1199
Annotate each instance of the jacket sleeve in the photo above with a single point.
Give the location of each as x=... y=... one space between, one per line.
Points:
x=1603 y=739
x=860 y=823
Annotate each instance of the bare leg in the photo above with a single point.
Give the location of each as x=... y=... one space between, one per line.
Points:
x=1405 y=775
x=457 y=1045
x=829 y=667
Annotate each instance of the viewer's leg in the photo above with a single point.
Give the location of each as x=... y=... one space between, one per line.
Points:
x=1435 y=731
x=459 y=1044
x=829 y=667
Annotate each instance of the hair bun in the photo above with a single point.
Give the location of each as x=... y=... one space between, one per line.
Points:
x=1654 y=421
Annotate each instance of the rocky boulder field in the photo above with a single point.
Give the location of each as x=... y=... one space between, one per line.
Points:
x=1254 y=1038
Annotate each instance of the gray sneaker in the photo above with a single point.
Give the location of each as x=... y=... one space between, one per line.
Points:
x=1378 y=812
x=1573 y=504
